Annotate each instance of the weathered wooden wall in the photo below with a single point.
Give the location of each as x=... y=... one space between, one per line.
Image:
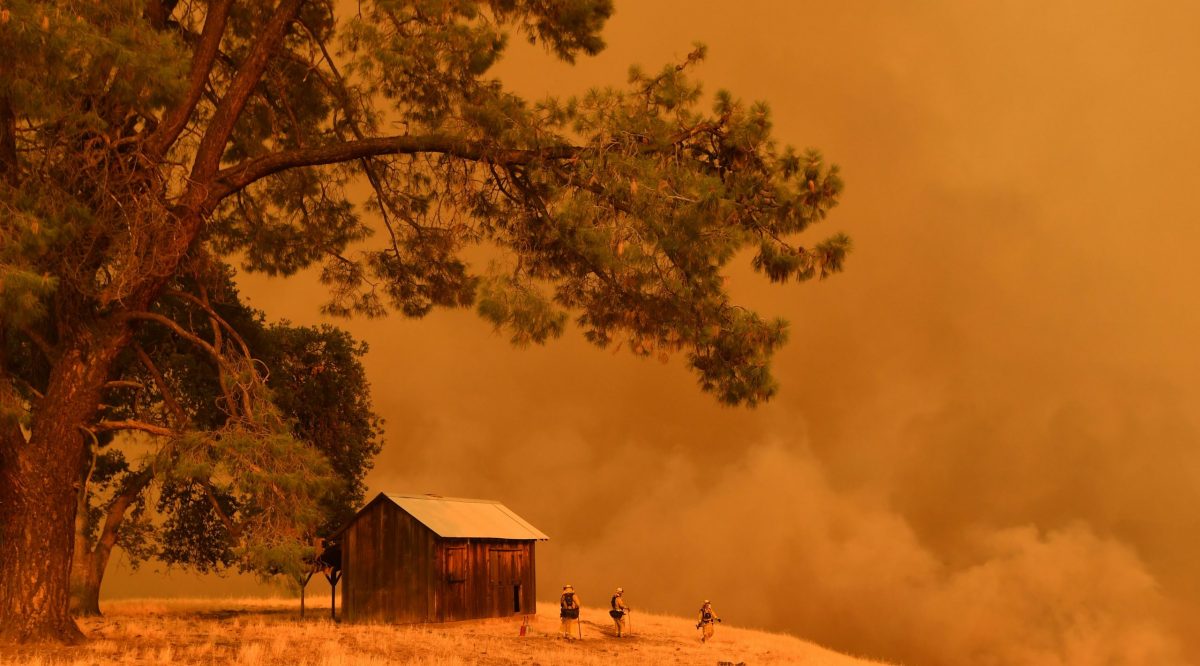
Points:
x=388 y=567
x=485 y=578
x=397 y=570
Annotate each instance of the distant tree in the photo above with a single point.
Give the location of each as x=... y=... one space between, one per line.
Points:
x=314 y=378
x=143 y=140
x=318 y=379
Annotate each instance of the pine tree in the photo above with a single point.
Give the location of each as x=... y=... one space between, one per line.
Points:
x=143 y=143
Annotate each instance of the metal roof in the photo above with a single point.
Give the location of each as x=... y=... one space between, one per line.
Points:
x=456 y=517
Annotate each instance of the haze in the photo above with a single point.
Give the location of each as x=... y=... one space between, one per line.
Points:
x=986 y=447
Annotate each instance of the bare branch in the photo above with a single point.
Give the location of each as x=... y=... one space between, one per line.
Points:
x=222 y=364
x=38 y=395
x=218 y=324
x=179 y=330
x=203 y=304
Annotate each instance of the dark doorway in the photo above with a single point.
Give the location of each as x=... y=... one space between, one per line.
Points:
x=516 y=598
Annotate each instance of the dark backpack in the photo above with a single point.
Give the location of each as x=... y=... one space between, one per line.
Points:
x=614 y=602
x=568 y=601
x=705 y=615
x=568 y=608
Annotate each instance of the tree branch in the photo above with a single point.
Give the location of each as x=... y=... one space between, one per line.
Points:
x=237 y=178
x=179 y=330
x=220 y=127
x=153 y=429
x=337 y=87
x=159 y=11
x=160 y=382
x=130 y=489
x=203 y=304
x=42 y=344
x=234 y=530
x=222 y=365
x=218 y=324
x=8 y=141
x=11 y=437
x=83 y=547
x=202 y=61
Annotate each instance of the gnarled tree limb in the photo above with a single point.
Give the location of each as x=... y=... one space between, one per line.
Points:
x=220 y=127
x=236 y=178
x=202 y=61
x=132 y=486
x=160 y=382
x=213 y=352
x=129 y=424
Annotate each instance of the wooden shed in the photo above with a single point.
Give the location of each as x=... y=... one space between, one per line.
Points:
x=427 y=558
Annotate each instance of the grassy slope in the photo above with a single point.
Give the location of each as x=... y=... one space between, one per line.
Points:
x=266 y=631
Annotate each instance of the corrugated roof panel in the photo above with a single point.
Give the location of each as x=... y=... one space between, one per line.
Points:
x=466 y=518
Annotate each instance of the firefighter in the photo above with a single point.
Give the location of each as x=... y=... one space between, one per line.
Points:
x=708 y=618
x=619 y=610
x=568 y=612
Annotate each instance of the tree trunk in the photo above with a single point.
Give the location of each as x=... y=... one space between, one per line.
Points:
x=333 y=577
x=37 y=516
x=90 y=560
x=85 y=592
x=39 y=486
x=86 y=576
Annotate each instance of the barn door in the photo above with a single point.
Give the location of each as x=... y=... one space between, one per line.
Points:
x=505 y=567
x=455 y=607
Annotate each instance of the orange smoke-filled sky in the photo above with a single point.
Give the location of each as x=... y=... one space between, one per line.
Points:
x=986 y=447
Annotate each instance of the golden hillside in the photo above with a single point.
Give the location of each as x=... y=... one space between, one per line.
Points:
x=267 y=631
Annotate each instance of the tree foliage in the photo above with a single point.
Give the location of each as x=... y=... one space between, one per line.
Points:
x=213 y=483
x=622 y=206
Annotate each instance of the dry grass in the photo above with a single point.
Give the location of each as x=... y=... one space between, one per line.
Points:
x=267 y=631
